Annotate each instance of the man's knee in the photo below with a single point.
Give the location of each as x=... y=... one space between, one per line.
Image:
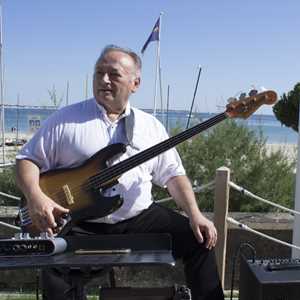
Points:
x=54 y=286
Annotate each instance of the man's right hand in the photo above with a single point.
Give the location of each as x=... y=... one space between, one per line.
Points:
x=44 y=212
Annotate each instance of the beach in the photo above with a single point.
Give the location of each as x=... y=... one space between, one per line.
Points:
x=289 y=150
x=11 y=150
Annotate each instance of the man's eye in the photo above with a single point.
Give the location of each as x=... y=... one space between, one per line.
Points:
x=115 y=74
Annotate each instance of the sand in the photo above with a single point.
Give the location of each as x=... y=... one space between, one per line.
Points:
x=290 y=150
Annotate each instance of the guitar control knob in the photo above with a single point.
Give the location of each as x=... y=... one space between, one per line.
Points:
x=26 y=235
x=44 y=235
x=18 y=235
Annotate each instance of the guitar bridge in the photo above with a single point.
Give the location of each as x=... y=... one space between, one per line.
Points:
x=67 y=192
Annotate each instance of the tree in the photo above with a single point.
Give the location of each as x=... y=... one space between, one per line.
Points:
x=286 y=109
x=237 y=147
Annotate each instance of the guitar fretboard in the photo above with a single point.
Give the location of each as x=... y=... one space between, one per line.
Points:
x=120 y=168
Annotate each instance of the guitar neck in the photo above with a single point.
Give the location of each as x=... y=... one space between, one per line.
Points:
x=145 y=155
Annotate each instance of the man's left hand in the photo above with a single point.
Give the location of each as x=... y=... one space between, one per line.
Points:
x=202 y=227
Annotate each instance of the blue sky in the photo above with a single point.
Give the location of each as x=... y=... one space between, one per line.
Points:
x=237 y=43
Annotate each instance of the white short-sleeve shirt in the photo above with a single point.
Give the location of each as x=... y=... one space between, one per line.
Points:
x=74 y=133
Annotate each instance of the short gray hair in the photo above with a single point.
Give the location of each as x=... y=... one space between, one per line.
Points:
x=135 y=57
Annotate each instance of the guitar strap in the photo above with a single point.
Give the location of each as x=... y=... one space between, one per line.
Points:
x=130 y=128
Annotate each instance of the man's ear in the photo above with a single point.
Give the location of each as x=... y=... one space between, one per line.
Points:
x=136 y=84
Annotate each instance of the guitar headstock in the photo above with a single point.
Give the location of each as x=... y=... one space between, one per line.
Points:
x=245 y=107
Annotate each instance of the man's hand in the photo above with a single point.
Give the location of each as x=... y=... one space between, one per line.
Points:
x=44 y=212
x=182 y=192
x=202 y=227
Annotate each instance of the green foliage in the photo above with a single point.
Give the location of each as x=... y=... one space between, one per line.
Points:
x=8 y=186
x=286 y=109
x=235 y=146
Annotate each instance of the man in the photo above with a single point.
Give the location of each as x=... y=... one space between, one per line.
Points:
x=75 y=133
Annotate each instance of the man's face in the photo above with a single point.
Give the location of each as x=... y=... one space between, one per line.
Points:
x=114 y=80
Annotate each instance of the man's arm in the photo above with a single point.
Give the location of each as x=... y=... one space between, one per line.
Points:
x=181 y=190
x=42 y=210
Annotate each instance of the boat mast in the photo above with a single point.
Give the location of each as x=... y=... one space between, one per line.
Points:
x=18 y=116
x=1 y=90
x=195 y=92
x=67 y=94
x=86 y=86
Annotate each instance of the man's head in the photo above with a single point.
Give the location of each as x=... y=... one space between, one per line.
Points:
x=116 y=76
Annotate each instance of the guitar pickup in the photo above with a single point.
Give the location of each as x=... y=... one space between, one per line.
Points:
x=67 y=192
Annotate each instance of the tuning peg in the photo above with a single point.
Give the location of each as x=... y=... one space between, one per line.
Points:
x=18 y=235
x=45 y=235
x=231 y=99
x=242 y=96
x=253 y=92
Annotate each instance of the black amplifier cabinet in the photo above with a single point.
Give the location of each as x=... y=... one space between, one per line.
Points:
x=271 y=279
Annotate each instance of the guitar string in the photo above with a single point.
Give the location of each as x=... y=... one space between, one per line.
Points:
x=119 y=168
x=148 y=153
x=97 y=180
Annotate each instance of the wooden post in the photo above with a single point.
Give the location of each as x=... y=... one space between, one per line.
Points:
x=220 y=217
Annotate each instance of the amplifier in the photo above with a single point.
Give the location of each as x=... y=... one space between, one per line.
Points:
x=22 y=244
x=269 y=279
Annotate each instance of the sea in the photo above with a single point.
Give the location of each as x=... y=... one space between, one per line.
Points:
x=27 y=119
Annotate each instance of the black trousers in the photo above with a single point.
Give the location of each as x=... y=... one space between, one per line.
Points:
x=199 y=263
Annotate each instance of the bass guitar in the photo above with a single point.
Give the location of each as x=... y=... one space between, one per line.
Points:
x=80 y=189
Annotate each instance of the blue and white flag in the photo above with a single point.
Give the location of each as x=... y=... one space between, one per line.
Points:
x=154 y=36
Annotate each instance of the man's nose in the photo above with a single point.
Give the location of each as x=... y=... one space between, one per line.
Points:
x=105 y=77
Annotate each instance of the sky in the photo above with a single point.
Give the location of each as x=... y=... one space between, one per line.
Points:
x=238 y=44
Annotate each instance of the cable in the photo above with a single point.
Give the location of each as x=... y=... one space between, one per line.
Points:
x=196 y=189
x=243 y=226
x=245 y=192
x=7 y=165
x=10 y=226
x=237 y=254
x=10 y=196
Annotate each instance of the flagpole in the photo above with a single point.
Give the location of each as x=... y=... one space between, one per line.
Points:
x=157 y=66
x=1 y=92
x=161 y=98
x=18 y=116
x=168 y=99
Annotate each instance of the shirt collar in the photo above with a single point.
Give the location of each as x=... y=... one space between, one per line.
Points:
x=126 y=113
